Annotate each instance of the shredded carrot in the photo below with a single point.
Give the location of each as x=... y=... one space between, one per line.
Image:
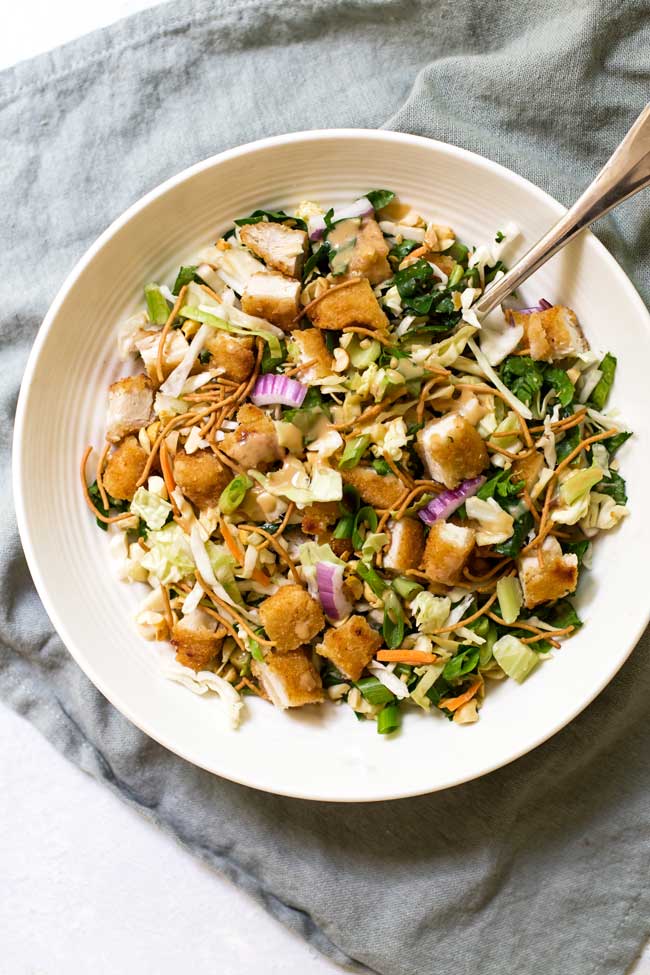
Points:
x=284 y=555
x=453 y=703
x=165 y=331
x=415 y=657
x=88 y=499
x=237 y=552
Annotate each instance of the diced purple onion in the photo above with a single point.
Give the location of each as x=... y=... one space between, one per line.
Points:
x=274 y=389
x=329 y=578
x=316 y=227
x=449 y=501
x=542 y=306
x=360 y=208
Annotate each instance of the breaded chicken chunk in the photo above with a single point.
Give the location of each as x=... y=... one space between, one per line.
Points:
x=278 y=246
x=355 y=304
x=446 y=552
x=124 y=469
x=406 y=544
x=291 y=617
x=556 y=576
x=274 y=297
x=527 y=469
x=254 y=444
x=197 y=639
x=289 y=679
x=311 y=345
x=317 y=517
x=370 y=253
x=452 y=450
x=379 y=490
x=201 y=477
x=176 y=345
x=232 y=354
x=551 y=334
x=130 y=402
x=350 y=646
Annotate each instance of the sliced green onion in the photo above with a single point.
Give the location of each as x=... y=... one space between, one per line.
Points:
x=459 y=252
x=462 y=663
x=393 y=625
x=456 y=276
x=367 y=515
x=233 y=495
x=185 y=276
x=354 y=451
x=369 y=575
x=406 y=588
x=604 y=384
x=344 y=527
x=381 y=467
x=157 y=307
x=389 y=719
x=256 y=650
x=374 y=691
x=510 y=598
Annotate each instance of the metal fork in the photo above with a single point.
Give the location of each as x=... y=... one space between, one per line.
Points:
x=626 y=172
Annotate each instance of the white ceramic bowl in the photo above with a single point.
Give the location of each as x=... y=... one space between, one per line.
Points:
x=317 y=753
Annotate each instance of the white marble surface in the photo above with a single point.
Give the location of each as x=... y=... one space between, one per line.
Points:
x=88 y=884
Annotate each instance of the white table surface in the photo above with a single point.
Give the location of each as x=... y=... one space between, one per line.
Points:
x=87 y=884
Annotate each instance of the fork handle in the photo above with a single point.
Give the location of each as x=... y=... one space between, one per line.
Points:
x=626 y=172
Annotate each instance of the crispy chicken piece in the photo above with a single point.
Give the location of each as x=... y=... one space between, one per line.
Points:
x=291 y=617
x=176 y=345
x=197 y=640
x=124 y=469
x=289 y=679
x=406 y=544
x=232 y=354
x=354 y=305
x=369 y=257
x=551 y=334
x=130 y=402
x=201 y=477
x=254 y=444
x=527 y=469
x=274 y=297
x=278 y=246
x=350 y=646
x=318 y=517
x=379 y=490
x=556 y=576
x=311 y=345
x=446 y=552
x=452 y=450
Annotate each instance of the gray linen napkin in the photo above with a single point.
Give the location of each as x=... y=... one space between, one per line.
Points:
x=540 y=867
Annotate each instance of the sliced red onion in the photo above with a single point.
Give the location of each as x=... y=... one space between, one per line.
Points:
x=316 y=227
x=360 y=208
x=543 y=305
x=329 y=579
x=273 y=389
x=449 y=501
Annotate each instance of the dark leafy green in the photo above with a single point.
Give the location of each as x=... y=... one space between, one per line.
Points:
x=558 y=379
x=319 y=260
x=273 y=216
x=614 y=486
x=381 y=466
x=568 y=443
x=576 y=548
x=614 y=443
x=186 y=274
x=513 y=545
x=501 y=487
x=400 y=251
x=525 y=378
x=380 y=198
x=270 y=363
x=463 y=663
x=204 y=356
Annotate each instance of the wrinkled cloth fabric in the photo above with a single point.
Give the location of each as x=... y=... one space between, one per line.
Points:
x=540 y=867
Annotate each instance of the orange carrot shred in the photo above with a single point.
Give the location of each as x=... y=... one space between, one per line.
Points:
x=453 y=703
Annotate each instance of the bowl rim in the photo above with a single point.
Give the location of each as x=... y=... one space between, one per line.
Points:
x=28 y=542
